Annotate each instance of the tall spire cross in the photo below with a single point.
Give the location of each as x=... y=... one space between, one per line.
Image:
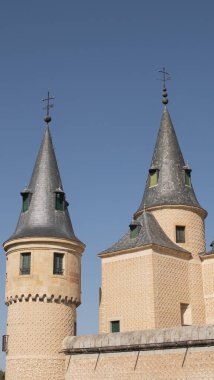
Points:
x=166 y=76
x=48 y=106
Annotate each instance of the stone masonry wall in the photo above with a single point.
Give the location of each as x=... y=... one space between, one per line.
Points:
x=185 y=353
x=208 y=281
x=127 y=291
x=170 y=217
x=36 y=330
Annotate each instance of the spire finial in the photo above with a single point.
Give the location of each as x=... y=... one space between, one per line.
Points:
x=47 y=118
x=166 y=77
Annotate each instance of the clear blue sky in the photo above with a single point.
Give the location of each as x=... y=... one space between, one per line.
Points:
x=100 y=60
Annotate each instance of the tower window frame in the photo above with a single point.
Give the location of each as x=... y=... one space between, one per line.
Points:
x=180 y=232
x=153 y=177
x=188 y=180
x=134 y=230
x=25 y=263
x=186 y=314
x=58 y=264
x=26 y=198
x=60 y=202
x=115 y=326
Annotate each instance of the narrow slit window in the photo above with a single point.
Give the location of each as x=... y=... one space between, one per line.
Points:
x=188 y=181
x=25 y=263
x=60 y=201
x=180 y=234
x=58 y=267
x=153 y=177
x=115 y=326
x=25 y=201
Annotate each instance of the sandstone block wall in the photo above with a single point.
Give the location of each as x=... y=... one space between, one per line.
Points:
x=208 y=282
x=35 y=331
x=169 y=218
x=127 y=291
x=185 y=353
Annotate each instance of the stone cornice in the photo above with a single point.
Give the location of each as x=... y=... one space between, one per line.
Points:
x=200 y=211
x=42 y=298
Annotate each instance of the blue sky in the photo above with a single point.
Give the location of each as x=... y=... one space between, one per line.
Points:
x=100 y=60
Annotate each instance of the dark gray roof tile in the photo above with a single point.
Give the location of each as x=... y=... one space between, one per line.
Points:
x=42 y=219
x=168 y=159
x=150 y=234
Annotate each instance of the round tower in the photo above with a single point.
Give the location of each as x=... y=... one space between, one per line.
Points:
x=43 y=279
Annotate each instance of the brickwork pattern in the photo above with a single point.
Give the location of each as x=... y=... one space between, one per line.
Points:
x=127 y=293
x=28 y=368
x=34 y=329
x=38 y=327
x=169 y=218
x=182 y=364
x=171 y=289
x=196 y=293
x=208 y=281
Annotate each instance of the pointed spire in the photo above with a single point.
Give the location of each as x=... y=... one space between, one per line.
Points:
x=169 y=179
x=40 y=216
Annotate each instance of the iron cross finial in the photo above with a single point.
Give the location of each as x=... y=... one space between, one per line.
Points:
x=166 y=77
x=48 y=106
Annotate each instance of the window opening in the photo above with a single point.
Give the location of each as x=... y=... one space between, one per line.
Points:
x=153 y=177
x=186 y=315
x=180 y=234
x=60 y=201
x=58 y=263
x=4 y=343
x=25 y=263
x=134 y=231
x=188 y=181
x=115 y=326
x=26 y=197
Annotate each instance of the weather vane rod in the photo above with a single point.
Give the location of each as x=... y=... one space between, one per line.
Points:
x=47 y=107
x=164 y=79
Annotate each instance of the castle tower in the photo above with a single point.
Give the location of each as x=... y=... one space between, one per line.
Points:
x=43 y=279
x=152 y=277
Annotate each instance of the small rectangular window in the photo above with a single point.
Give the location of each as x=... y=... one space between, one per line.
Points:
x=25 y=201
x=188 y=178
x=58 y=263
x=186 y=315
x=25 y=263
x=115 y=326
x=134 y=231
x=75 y=328
x=60 y=203
x=4 y=343
x=153 y=177
x=180 y=234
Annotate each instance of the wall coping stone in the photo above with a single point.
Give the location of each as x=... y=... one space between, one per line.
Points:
x=185 y=336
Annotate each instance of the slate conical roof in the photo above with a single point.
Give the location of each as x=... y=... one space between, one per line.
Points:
x=168 y=160
x=42 y=219
x=150 y=234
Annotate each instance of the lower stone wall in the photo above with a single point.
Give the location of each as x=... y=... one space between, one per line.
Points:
x=162 y=354
x=168 y=364
x=39 y=368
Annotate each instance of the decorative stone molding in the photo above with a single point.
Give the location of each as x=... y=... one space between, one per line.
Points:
x=41 y=298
